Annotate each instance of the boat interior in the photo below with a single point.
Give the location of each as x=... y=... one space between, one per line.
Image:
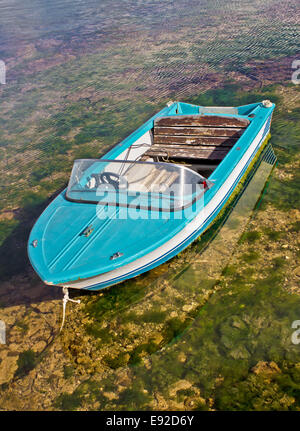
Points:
x=196 y=140
x=200 y=142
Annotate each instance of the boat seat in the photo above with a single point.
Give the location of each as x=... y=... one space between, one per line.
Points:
x=183 y=152
x=150 y=179
x=202 y=121
x=207 y=137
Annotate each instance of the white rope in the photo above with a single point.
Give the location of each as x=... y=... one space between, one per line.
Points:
x=65 y=300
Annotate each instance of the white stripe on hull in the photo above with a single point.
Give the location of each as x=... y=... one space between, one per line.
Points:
x=196 y=224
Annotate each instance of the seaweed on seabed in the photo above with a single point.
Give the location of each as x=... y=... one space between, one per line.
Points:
x=250 y=237
x=115 y=299
x=26 y=362
x=67 y=401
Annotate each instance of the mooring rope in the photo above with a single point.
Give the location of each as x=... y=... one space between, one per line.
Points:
x=66 y=298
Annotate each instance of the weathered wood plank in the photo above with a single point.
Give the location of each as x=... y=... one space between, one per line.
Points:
x=199 y=131
x=186 y=148
x=202 y=120
x=182 y=153
x=192 y=140
x=158 y=147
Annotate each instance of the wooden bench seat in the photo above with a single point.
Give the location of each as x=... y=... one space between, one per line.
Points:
x=201 y=120
x=194 y=140
x=235 y=132
x=185 y=152
x=203 y=137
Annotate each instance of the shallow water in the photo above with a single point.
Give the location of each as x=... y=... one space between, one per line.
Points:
x=200 y=276
x=80 y=76
x=207 y=260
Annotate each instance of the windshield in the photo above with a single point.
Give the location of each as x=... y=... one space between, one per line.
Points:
x=145 y=185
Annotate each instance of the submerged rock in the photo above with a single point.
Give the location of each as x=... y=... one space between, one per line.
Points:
x=266 y=368
x=8 y=367
x=181 y=384
x=182 y=357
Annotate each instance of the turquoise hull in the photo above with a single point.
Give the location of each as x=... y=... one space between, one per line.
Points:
x=61 y=255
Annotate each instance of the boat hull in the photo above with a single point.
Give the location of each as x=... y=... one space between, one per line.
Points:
x=188 y=234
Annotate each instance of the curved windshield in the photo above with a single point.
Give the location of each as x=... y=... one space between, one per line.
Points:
x=145 y=185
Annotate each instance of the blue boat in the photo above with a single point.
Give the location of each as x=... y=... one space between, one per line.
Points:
x=149 y=197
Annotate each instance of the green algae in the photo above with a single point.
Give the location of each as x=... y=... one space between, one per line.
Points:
x=142 y=350
x=250 y=257
x=155 y=316
x=68 y=371
x=26 y=362
x=285 y=194
x=250 y=237
x=273 y=235
x=22 y=325
x=67 y=401
x=116 y=361
x=6 y=228
x=115 y=299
